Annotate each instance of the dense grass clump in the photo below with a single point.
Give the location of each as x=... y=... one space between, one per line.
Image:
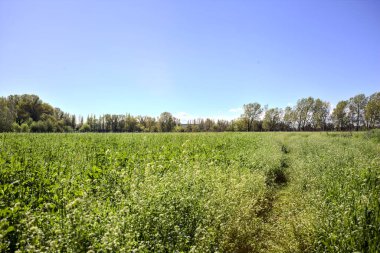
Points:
x=373 y=134
x=226 y=192
x=339 y=180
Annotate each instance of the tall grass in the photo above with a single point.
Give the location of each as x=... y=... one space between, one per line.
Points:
x=219 y=192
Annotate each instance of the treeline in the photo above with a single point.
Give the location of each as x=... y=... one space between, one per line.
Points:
x=310 y=114
x=28 y=113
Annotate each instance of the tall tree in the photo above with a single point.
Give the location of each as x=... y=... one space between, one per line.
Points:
x=372 y=110
x=149 y=124
x=340 y=115
x=239 y=125
x=166 y=122
x=357 y=105
x=19 y=114
x=320 y=114
x=252 y=112
x=289 y=118
x=272 y=119
x=115 y=123
x=130 y=123
x=33 y=106
x=6 y=118
x=209 y=125
x=303 y=112
x=222 y=125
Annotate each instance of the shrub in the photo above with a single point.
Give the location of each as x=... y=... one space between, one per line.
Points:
x=25 y=128
x=85 y=128
x=16 y=127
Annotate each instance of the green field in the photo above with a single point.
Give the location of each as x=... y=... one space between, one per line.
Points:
x=201 y=192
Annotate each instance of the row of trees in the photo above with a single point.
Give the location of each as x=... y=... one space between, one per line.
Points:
x=28 y=113
x=128 y=123
x=309 y=114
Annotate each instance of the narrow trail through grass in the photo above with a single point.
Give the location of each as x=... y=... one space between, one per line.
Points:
x=330 y=198
x=286 y=219
x=277 y=224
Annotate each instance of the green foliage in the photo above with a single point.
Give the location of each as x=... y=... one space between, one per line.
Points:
x=340 y=115
x=138 y=193
x=38 y=127
x=252 y=112
x=167 y=122
x=85 y=128
x=343 y=183
x=309 y=114
x=6 y=118
x=16 y=127
x=222 y=192
x=373 y=134
x=272 y=119
x=179 y=129
x=357 y=104
x=372 y=110
x=25 y=128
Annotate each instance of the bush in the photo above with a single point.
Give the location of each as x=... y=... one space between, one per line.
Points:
x=373 y=134
x=16 y=127
x=85 y=128
x=25 y=128
x=67 y=129
x=38 y=127
x=179 y=129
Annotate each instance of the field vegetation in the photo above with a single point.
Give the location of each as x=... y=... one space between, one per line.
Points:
x=215 y=192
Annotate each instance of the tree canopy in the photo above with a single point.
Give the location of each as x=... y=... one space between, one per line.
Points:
x=28 y=113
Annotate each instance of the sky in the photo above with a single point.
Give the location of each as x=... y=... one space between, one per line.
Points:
x=191 y=58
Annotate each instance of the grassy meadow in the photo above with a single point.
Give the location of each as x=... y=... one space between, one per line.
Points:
x=190 y=192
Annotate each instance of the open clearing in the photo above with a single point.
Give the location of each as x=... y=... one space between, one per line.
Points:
x=201 y=192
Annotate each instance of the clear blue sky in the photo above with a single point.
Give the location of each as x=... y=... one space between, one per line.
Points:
x=191 y=58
